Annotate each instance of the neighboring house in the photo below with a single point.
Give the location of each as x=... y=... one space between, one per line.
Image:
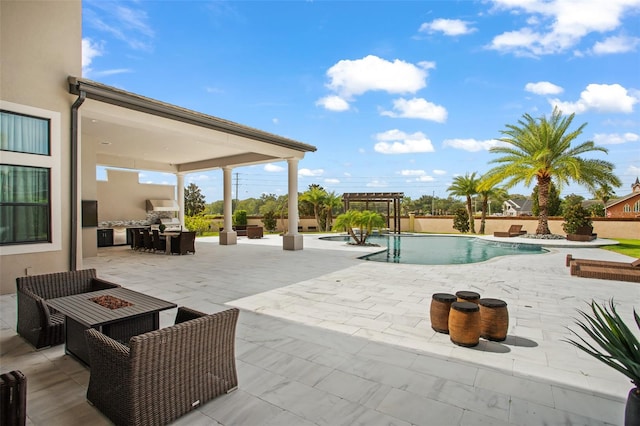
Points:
x=627 y=206
x=517 y=208
x=57 y=127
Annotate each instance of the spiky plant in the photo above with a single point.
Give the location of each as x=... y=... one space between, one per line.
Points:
x=619 y=347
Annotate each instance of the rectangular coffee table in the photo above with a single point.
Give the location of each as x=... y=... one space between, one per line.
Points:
x=121 y=323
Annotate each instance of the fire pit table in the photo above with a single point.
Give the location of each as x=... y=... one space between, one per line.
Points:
x=119 y=313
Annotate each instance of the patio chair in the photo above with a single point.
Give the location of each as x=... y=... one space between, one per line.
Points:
x=570 y=259
x=37 y=323
x=163 y=374
x=159 y=244
x=147 y=240
x=615 y=273
x=183 y=243
x=514 y=231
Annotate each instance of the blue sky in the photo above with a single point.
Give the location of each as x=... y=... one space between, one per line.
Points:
x=398 y=96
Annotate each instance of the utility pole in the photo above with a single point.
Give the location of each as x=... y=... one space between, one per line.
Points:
x=236 y=206
x=433 y=197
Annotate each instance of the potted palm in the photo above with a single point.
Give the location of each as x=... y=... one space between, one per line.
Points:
x=618 y=348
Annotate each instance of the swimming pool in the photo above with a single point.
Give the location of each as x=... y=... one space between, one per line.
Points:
x=439 y=249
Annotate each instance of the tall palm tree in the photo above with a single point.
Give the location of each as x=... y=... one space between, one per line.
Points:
x=315 y=195
x=331 y=201
x=604 y=193
x=486 y=193
x=466 y=186
x=541 y=149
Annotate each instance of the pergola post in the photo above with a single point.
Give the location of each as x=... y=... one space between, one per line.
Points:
x=228 y=236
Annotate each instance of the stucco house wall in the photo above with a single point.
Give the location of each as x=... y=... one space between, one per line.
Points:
x=40 y=44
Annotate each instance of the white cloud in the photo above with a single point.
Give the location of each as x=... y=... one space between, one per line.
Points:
x=275 y=121
x=347 y=174
x=417 y=108
x=377 y=184
x=543 y=88
x=633 y=170
x=273 y=168
x=558 y=25
x=615 y=44
x=333 y=103
x=439 y=172
x=450 y=27
x=413 y=172
x=350 y=78
x=332 y=180
x=127 y=24
x=615 y=138
x=310 y=173
x=398 y=142
x=425 y=179
x=609 y=98
x=90 y=50
x=198 y=178
x=471 y=145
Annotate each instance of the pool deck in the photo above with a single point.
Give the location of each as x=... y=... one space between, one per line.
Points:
x=327 y=339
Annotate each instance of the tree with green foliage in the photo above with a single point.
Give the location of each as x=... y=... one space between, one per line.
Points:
x=553 y=204
x=541 y=149
x=193 y=200
x=198 y=224
x=332 y=202
x=575 y=217
x=485 y=194
x=240 y=218
x=359 y=224
x=315 y=196
x=604 y=193
x=461 y=220
x=571 y=200
x=269 y=220
x=466 y=186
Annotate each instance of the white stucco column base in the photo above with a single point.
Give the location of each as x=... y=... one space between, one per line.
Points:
x=228 y=238
x=292 y=242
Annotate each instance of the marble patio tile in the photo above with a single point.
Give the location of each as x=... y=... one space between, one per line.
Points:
x=484 y=401
x=418 y=410
x=538 y=372
x=367 y=323
x=506 y=384
x=240 y=408
x=446 y=369
x=527 y=413
x=376 y=418
x=256 y=380
x=339 y=327
x=195 y=418
x=353 y=388
x=471 y=418
x=608 y=411
x=385 y=353
x=286 y=418
x=402 y=319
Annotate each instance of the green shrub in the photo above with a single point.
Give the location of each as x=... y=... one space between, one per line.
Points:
x=269 y=220
x=461 y=220
x=198 y=223
x=576 y=216
x=240 y=217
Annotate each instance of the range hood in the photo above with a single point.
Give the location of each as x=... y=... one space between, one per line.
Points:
x=162 y=206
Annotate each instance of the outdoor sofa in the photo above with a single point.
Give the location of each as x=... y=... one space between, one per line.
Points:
x=615 y=273
x=163 y=374
x=514 y=231
x=37 y=323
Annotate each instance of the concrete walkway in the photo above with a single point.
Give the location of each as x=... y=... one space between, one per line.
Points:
x=327 y=339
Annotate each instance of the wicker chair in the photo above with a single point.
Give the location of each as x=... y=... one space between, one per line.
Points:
x=166 y=373
x=159 y=244
x=147 y=240
x=614 y=273
x=183 y=243
x=514 y=231
x=37 y=323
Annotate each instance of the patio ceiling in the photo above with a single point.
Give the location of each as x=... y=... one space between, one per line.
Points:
x=135 y=132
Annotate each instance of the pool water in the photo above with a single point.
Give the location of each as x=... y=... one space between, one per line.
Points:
x=439 y=250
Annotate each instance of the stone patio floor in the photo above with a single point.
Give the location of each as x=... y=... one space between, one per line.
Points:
x=327 y=339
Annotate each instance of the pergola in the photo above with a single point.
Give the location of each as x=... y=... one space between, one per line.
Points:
x=377 y=197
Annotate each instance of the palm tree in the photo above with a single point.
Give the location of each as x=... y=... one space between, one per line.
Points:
x=365 y=221
x=466 y=186
x=486 y=193
x=315 y=195
x=332 y=201
x=604 y=194
x=541 y=149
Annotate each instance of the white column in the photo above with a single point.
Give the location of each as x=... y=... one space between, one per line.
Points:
x=292 y=240
x=228 y=237
x=180 y=197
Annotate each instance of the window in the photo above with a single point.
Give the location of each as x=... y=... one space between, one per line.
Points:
x=636 y=206
x=30 y=210
x=626 y=208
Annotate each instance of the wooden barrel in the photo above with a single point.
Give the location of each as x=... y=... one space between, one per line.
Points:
x=439 y=311
x=494 y=319
x=464 y=324
x=468 y=296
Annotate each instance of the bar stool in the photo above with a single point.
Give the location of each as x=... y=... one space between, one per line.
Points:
x=468 y=296
x=464 y=324
x=439 y=311
x=494 y=319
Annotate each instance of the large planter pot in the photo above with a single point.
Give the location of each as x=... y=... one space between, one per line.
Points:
x=632 y=410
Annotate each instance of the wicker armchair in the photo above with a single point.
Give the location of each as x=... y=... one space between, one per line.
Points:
x=37 y=323
x=163 y=374
x=183 y=243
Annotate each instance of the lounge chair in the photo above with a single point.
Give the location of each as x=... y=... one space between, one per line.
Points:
x=615 y=273
x=580 y=264
x=514 y=231
x=570 y=258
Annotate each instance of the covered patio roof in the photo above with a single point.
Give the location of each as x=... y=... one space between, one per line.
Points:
x=136 y=132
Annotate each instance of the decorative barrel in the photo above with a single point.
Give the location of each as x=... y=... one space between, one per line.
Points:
x=439 y=311
x=468 y=296
x=494 y=319
x=464 y=324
